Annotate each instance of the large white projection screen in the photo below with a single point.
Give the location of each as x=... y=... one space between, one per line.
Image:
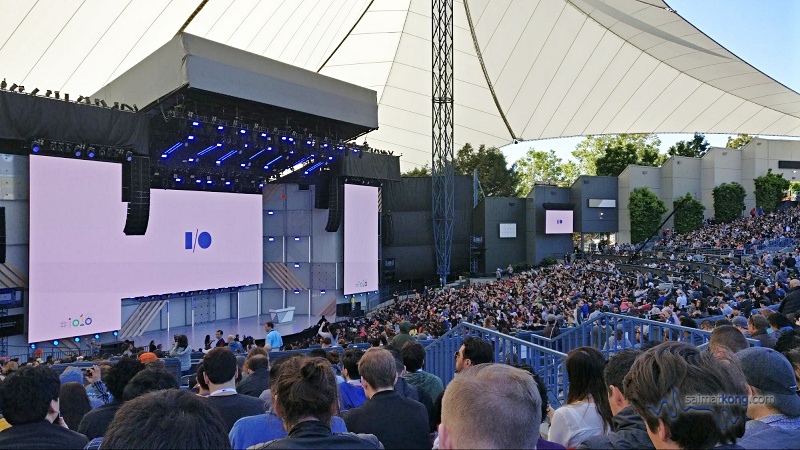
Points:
x=360 y=239
x=558 y=222
x=82 y=264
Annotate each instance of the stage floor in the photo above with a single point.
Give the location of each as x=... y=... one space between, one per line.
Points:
x=249 y=326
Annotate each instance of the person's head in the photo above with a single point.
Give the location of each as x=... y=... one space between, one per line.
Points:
x=326 y=342
x=473 y=351
x=334 y=357
x=161 y=414
x=778 y=321
x=155 y=364
x=269 y=326
x=674 y=371
x=413 y=356
x=584 y=368
x=503 y=393
x=182 y=341
x=201 y=379
x=757 y=324
x=350 y=363
x=318 y=353
x=378 y=370
x=74 y=403
x=30 y=394
x=769 y=373
x=794 y=358
x=120 y=374
x=148 y=381
x=721 y=323
x=10 y=366
x=614 y=373
x=230 y=338
x=740 y=323
x=727 y=337
x=706 y=325
x=219 y=334
x=220 y=366
x=305 y=387
x=542 y=388
x=399 y=365
x=258 y=362
x=788 y=341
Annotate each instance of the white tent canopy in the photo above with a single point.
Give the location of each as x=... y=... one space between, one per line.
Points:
x=557 y=67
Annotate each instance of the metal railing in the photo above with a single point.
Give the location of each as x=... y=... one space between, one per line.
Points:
x=611 y=333
x=548 y=363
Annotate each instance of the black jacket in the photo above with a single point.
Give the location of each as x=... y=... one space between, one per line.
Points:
x=42 y=434
x=314 y=434
x=95 y=423
x=398 y=422
x=791 y=303
x=255 y=384
x=630 y=433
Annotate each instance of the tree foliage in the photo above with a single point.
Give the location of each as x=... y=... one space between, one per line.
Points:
x=770 y=190
x=739 y=141
x=592 y=148
x=728 y=201
x=688 y=214
x=420 y=171
x=695 y=148
x=645 y=210
x=544 y=166
x=496 y=178
x=615 y=159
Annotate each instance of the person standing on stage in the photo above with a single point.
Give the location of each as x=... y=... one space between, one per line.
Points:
x=273 y=340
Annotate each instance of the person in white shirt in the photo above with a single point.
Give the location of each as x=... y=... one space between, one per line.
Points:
x=587 y=412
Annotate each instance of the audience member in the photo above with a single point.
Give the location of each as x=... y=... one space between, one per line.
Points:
x=29 y=401
x=183 y=351
x=274 y=341
x=491 y=406
x=304 y=397
x=220 y=372
x=757 y=326
x=402 y=387
x=200 y=381
x=257 y=368
x=414 y=361
x=173 y=419
x=74 y=403
x=727 y=338
x=541 y=443
x=234 y=344
x=669 y=373
x=587 y=412
x=398 y=422
x=351 y=392
x=96 y=421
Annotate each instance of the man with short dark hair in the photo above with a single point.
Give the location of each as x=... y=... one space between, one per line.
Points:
x=673 y=387
x=757 y=325
x=29 y=399
x=414 y=361
x=220 y=373
x=96 y=421
x=258 y=380
x=727 y=338
x=629 y=430
x=398 y=422
x=220 y=340
x=273 y=341
x=167 y=420
x=351 y=392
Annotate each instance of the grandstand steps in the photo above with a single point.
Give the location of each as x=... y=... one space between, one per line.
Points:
x=141 y=318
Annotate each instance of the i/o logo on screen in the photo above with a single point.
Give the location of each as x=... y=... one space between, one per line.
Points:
x=559 y=221
x=361 y=284
x=195 y=239
x=84 y=320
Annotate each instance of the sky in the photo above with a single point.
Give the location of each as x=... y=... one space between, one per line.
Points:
x=764 y=33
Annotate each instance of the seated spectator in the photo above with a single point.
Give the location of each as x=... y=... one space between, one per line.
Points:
x=673 y=371
x=414 y=361
x=789 y=340
x=95 y=422
x=587 y=412
x=775 y=424
x=779 y=324
x=200 y=380
x=74 y=403
x=183 y=351
x=791 y=303
x=235 y=345
x=148 y=381
x=402 y=387
x=335 y=358
x=541 y=443
x=726 y=339
x=220 y=373
x=97 y=391
x=30 y=403
x=757 y=326
x=257 y=381
x=794 y=358
x=740 y=323
x=173 y=419
x=483 y=396
x=396 y=421
x=252 y=430
x=617 y=342
x=628 y=427
x=351 y=392
x=304 y=397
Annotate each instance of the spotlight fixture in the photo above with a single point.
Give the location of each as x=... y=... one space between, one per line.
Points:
x=36 y=146
x=77 y=339
x=3 y=84
x=35 y=91
x=129 y=156
x=116 y=333
x=13 y=87
x=55 y=343
x=322 y=292
x=90 y=153
x=33 y=346
x=97 y=336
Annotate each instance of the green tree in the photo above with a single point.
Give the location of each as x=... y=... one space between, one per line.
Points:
x=739 y=141
x=645 y=210
x=615 y=159
x=544 y=166
x=728 y=201
x=496 y=178
x=770 y=190
x=688 y=214
x=695 y=148
x=419 y=171
x=592 y=148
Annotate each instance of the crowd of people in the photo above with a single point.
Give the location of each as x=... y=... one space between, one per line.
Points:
x=650 y=394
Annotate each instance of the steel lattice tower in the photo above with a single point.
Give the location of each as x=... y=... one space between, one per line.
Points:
x=442 y=163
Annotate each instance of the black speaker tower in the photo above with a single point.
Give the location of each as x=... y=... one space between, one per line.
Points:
x=136 y=192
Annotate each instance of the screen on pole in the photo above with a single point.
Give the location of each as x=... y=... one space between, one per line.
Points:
x=82 y=264
x=558 y=222
x=360 y=239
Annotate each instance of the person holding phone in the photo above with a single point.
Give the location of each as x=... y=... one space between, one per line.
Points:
x=183 y=351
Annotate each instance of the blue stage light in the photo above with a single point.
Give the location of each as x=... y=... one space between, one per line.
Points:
x=129 y=156
x=297 y=265
x=90 y=154
x=271 y=212
x=261 y=185
x=97 y=336
x=322 y=291
x=36 y=149
x=179 y=180
x=209 y=181
x=242 y=131
x=264 y=135
x=191 y=160
x=271 y=239
x=227 y=183
x=77 y=339
x=55 y=343
x=116 y=333
x=330 y=158
x=284 y=138
x=190 y=137
x=33 y=346
x=78 y=151
x=198 y=181
x=195 y=124
x=309 y=142
x=297 y=238
x=296 y=291
x=220 y=128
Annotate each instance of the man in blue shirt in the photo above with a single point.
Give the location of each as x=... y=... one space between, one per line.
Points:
x=273 y=339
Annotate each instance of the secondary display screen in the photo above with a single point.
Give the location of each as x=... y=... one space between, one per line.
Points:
x=558 y=222
x=360 y=239
x=82 y=264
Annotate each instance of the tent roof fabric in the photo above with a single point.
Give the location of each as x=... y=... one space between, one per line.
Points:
x=558 y=67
